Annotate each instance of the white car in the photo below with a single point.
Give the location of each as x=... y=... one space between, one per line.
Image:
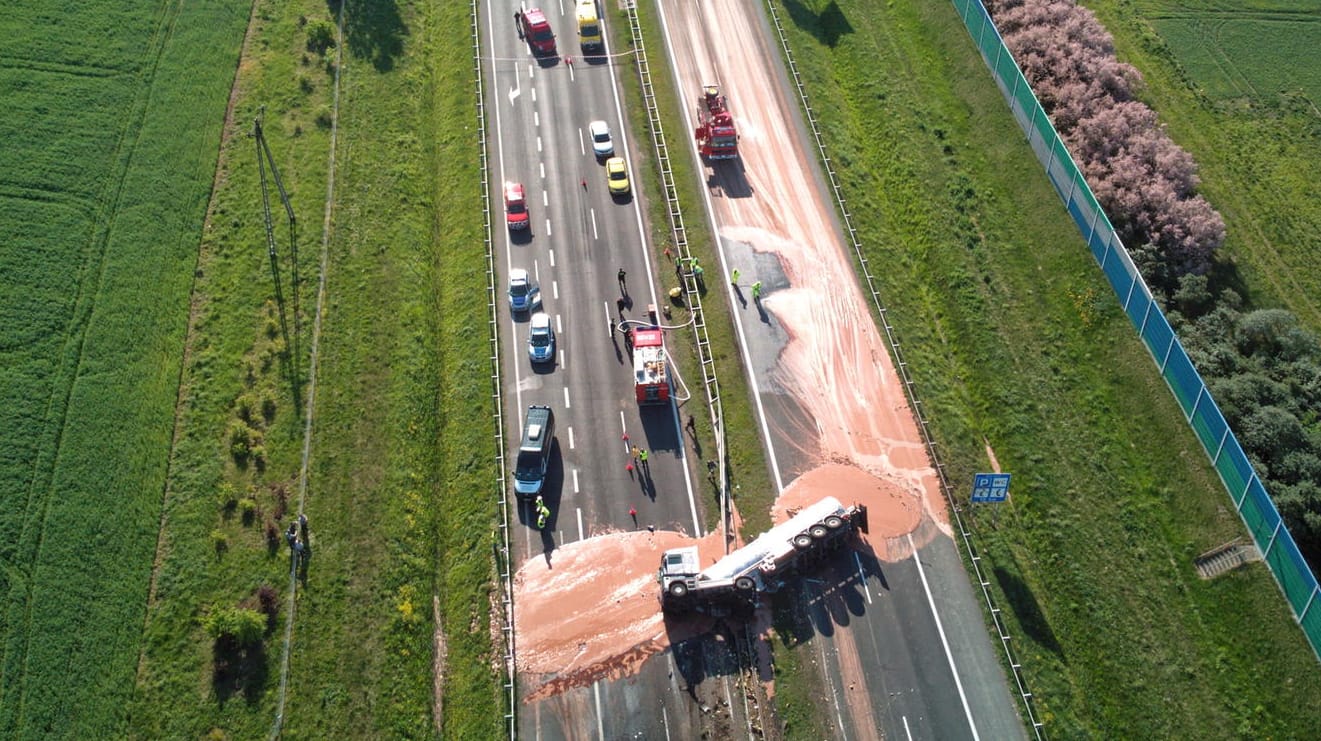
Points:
x=523 y=294
x=541 y=339
x=602 y=144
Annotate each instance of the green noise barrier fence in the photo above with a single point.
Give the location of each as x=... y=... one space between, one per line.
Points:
x=1245 y=489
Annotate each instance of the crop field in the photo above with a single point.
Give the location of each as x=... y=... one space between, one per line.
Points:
x=1255 y=50
x=1017 y=344
x=111 y=118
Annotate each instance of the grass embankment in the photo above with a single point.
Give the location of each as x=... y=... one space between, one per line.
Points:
x=748 y=476
x=400 y=499
x=110 y=125
x=1234 y=86
x=1015 y=338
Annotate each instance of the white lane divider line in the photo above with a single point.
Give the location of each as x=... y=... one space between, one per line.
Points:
x=862 y=576
x=580 y=522
x=566 y=397
x=944 y=641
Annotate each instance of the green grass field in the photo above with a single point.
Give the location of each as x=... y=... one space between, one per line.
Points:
x=1260 y=51
x=1015 y=339
x=401 y=494
x=112 y=116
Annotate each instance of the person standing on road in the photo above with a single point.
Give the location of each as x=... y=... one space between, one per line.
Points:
x=756 y=291
x=623 y=284
x=642 y=456
x=518 y=22
x=733 y=277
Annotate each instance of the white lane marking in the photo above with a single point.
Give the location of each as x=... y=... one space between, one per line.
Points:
x=542 y=165
x=622 y=425
x=580 y=523
x=552 y=257
x=561 y=358
x=555 y=289
x=862 y=576
x=600 y=724
x=536 y=270
x=559 y=324
x=665 y=720
x=834 y=693
x=514 y=92
x=949 y=655
x=547 y=227
x=538 y=144
x=566 y=397
x=575 y=481
x=534 y=95
x=907 y=732
x=609 y=322
x=536 y=118
x=582 y=149
x=595 y=234
x=545 y=199
x=575 y=471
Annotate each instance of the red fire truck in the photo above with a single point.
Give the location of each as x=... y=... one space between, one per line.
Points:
x=717 y=139
x=650 y=372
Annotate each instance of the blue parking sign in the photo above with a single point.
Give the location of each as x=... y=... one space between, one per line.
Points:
x=990 y=487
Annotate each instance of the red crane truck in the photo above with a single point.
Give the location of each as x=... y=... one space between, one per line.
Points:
x=717 y=139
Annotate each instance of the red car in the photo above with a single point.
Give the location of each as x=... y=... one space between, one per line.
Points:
x=536 y=29
x=516 y=215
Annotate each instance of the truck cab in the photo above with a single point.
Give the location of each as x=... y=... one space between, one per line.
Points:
x=536 y=29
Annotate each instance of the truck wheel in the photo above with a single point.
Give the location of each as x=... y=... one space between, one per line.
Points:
x=678 y=589
x=819 y=531
x=834 y=522
x=802 y=541
x=744 y=584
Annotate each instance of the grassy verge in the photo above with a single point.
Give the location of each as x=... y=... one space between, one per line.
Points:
x=1016 y=340
x=112 y=117
x=401 y=417
x=749 y=477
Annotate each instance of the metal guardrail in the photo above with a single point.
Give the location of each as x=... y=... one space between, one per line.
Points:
x=909 y=388
x=681 y=252
x=502 y=550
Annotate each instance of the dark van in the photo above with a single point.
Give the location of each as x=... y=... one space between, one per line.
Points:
x=534 y=451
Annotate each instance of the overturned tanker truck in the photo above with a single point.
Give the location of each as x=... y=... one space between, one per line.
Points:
x=760 y=566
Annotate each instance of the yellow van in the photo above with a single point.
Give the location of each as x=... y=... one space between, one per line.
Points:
x=589 y=26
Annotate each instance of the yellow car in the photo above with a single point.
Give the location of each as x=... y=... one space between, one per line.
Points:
x=616 y=176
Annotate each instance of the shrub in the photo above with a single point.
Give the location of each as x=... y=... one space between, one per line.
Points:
x=226 y=495
x=248 y=509
x=320 y=36
x=268 y=603
x=238 y=625
x=219 y=541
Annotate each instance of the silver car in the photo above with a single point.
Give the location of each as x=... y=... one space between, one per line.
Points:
x=602 y=144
